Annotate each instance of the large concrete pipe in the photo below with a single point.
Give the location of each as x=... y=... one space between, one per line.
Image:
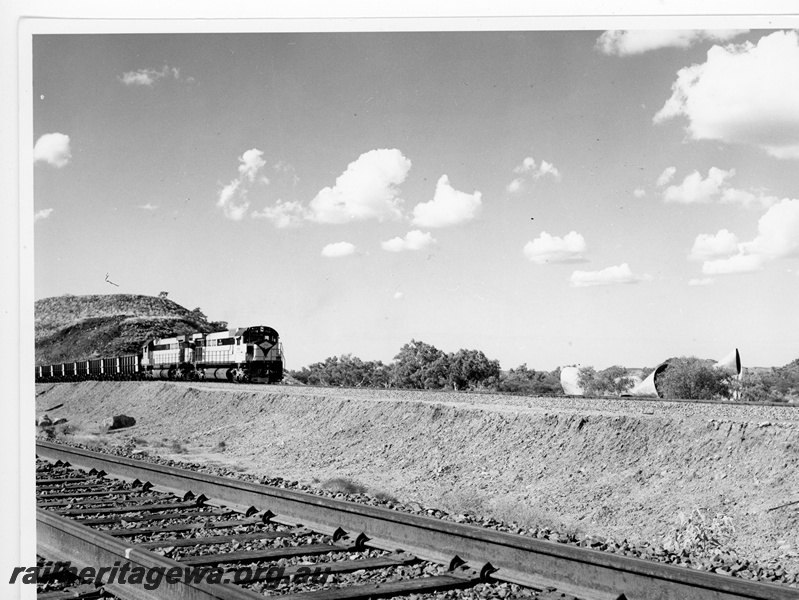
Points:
x=568 y=381
x=731 y=364
x=647 y=387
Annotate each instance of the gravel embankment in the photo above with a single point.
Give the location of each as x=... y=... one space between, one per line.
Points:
x=725 y=563
x=616 y=474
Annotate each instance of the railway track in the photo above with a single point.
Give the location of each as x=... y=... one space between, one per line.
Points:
x=478 y=393
x=433 y=393
x=99 y=510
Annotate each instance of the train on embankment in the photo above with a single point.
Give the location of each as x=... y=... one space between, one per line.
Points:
x=243 y=355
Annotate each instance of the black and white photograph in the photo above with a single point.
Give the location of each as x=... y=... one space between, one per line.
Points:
x=430 y=305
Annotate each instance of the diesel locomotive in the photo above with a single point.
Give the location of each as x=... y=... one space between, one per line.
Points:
x=247 y=354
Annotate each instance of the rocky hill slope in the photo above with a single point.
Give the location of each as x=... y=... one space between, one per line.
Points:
x=71 y=328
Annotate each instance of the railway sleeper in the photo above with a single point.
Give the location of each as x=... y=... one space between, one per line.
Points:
x=556 y=571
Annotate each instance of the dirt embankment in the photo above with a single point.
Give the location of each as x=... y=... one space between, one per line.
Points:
x=619 y=468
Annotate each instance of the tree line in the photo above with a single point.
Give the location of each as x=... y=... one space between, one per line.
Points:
x=422 y=366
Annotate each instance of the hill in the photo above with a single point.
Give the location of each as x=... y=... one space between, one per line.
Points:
x=71 y=328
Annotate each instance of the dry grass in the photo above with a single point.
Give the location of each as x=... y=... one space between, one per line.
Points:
x=700 y=533
x=509 y=510
x=64 y=429
x=99 y=444
x=386 y=497
x=177 y=447
x=344 y=485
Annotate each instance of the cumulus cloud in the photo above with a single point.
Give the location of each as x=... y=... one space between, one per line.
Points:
x=148 y=206
x=666 y=176
x=742 y=94
x=609 y=276
x=282 y=214
x=397 y=295
x=625 y=42
x=52 y=148
x=338 y=250
x=711 y=246
x=233 y=197
x=366 y=190
x=515 y=185
x=149 y=76
x=639 y=192
x=448 y=207
x=42 y=214
x=777 y=237
x=413 y=240
x=701 y=281
x=552 y=249
x=251 y=163
x=746 y=199
x=740 y=263
x=546 y=168
x=694 y=189
x=528 y=166
x=778 y=232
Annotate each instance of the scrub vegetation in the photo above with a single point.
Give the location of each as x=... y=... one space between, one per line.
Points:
x=419 y=365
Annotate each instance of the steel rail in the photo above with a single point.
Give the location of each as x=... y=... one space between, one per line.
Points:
x=62 y=539
x=585 y=573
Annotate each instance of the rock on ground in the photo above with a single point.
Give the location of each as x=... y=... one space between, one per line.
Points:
x=118 y=422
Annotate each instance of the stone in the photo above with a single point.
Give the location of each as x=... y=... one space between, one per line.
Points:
x=118 y=422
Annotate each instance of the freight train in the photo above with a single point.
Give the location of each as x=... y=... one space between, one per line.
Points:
x=247 y=354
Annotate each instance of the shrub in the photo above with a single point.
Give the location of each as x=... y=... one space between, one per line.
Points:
x=471 y=369
x=346 y=370
x=778 y=384
x=386 y=497
x=694 y=379
x=423 y=366
x=522 y=380
x=613 y=381
x=420 y=366
x=344 y=486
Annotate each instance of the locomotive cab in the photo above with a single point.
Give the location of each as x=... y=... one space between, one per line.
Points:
x=262 y=343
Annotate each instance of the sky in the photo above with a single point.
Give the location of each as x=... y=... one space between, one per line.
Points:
x=598 y=197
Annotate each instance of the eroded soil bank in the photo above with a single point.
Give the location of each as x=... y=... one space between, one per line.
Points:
x=619 y=468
